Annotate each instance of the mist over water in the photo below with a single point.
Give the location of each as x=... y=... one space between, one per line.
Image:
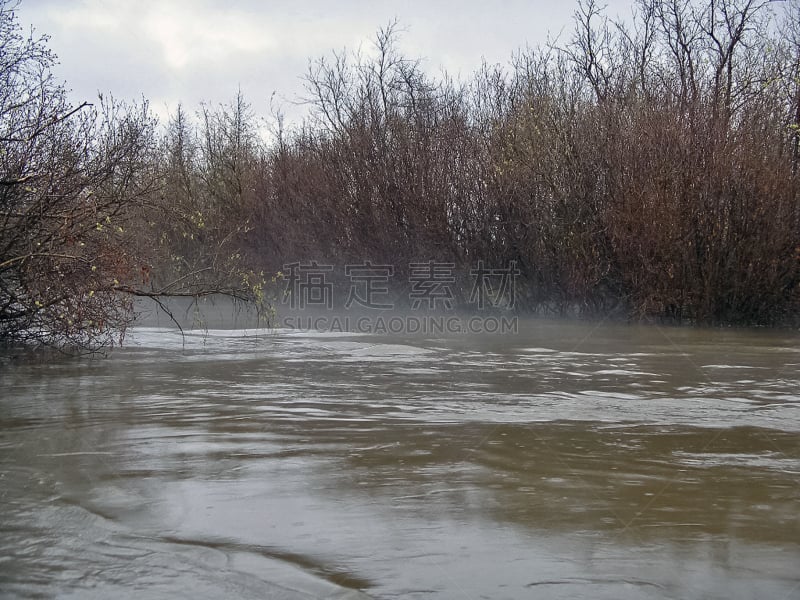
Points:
x=569 y=460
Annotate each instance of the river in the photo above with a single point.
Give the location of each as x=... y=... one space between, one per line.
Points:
x=568 y=460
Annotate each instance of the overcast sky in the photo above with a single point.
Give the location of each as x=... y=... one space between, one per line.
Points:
x=192 y=51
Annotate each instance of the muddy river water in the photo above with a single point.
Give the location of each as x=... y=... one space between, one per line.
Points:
x=569 y=460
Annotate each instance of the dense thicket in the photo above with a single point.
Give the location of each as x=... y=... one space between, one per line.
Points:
x=648 y=168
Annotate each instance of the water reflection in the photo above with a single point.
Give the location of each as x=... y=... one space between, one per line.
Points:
x=570 y=461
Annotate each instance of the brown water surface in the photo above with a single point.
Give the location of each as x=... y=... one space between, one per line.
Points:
x=568 y=461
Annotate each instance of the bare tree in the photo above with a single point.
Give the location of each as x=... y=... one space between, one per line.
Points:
x=80 y=197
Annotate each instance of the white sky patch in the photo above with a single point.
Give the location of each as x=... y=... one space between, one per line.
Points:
x=89 y=15
x=191 y=39
x=193 y=51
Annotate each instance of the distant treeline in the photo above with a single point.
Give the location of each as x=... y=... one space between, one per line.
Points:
x=647 y=168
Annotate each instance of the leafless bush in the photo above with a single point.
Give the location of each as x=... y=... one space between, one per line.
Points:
x=646 y=168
